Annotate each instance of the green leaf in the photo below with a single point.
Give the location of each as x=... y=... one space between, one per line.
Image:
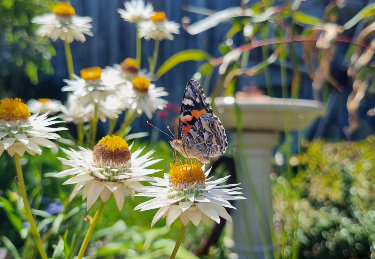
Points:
x=6 y=204
x=32 y=72
x=59 y=250
x=57 y=222
x=11 y=248
x=44 y=223
x=41 y=213
x=304 y=18
x=205 y=69
x=368 y=11
x=67 y=250
x=182 y=56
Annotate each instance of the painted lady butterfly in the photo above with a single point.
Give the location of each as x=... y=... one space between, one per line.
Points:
x=201 y=134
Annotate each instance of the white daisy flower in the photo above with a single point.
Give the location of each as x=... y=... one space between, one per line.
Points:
x=111 y=108
x=127 y=70
x=158 y=28
x=109 y=169
x=43 y=105
x=63 y=24
x=136 y=11
x=92 y=86
x=188 y=194
x=20 y=132
x=74 y=112
x=142 y=96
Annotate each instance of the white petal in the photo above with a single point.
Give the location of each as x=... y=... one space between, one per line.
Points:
x=184 y=218
x=222 y=212
x=75 y=191
x=86 y=190
x=111 y=186
x=161 y=212
x=34 y=147
x=79 y=178
x=68 y=172
x=3 y=134
x=119 y=194
x=94 y=192
x=8 y=142
x=207 y=209
x=173 y=214
x=105 y=194
x=185 y=205
x=45 y=142
x=11 y=151
x=20 y=149
x=206 y=219
x=22 y=138
x=194 y=216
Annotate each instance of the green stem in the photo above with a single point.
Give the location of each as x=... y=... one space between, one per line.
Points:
x=29 y=216
x=80 y=134
x=138 y=46
x=155 y=56
x=178 y=242
x=69 y=59
x=127 y=122
x=94 y=126
x=112 y=125
x=90 y=231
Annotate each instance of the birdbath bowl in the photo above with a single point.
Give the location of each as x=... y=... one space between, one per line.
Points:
x=262 y=118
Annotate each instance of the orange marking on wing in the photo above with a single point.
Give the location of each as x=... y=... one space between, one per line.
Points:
x=187 y=118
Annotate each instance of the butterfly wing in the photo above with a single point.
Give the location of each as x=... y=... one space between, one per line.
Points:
x=200 y=129
x=193 y=106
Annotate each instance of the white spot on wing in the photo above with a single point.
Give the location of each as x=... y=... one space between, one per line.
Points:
x=187 y=102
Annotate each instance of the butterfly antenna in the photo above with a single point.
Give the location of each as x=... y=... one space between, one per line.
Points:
x=160 y=130
x=171 y=131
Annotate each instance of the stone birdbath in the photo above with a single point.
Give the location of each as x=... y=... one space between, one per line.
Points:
x=262 y=118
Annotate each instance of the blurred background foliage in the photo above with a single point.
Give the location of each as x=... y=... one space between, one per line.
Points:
x=328 y=207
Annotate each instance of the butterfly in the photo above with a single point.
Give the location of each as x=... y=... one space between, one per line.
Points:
x=200 y=134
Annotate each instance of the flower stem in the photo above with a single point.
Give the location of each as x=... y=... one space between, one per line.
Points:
x=155 y=56
x=90 y=231
x=80 y=133
x=127 y=122
x=29 y=216
x=94 y=126
x=69 y=59
x=112 y=125
x=138 y=45
x=178 y=242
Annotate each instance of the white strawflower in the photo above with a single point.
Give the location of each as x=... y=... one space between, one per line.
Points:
x=188 y=194
x=111 y=108
x=142 y=96
x=92 y=86
x=127 y=70
x=74 y=112
x=158 y=28
x=136 y=11
x=20 y=132
x=43 y=105
x=63 y=24
x=109 y=169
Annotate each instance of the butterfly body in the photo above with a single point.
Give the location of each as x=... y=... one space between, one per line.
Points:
x=201 y=134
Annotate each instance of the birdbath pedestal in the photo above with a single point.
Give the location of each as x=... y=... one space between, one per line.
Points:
x=262 y=118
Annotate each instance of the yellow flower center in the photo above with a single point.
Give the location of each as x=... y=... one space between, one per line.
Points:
x=141 y=83
x=112 y=150
x=186 y=174
x=44 y=100
x=130 y=67
x=91 y=73
x=158 y=17
x=64 y=9
x=13 y=110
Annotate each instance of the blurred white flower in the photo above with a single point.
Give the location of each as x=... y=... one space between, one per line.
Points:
x=127 y=70
x=111 y=108
x=43 y=105
x=158 y=28
x=20 y=132
x=186 y=193
x=142 y=96
x=74 y=112
x=92 y=86
x=63 y=24
x=109 y=169
x=136 y=11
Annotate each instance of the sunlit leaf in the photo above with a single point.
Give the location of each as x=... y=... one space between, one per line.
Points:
x=182 y=56
x=301 y=17
x=59 y=250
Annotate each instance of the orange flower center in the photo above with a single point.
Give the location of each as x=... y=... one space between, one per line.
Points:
x=13 y=110
x=141 y=83
x=186 y=174
x=44 y=100
x=64 y=9
x=91 y=73
x=158 y=17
